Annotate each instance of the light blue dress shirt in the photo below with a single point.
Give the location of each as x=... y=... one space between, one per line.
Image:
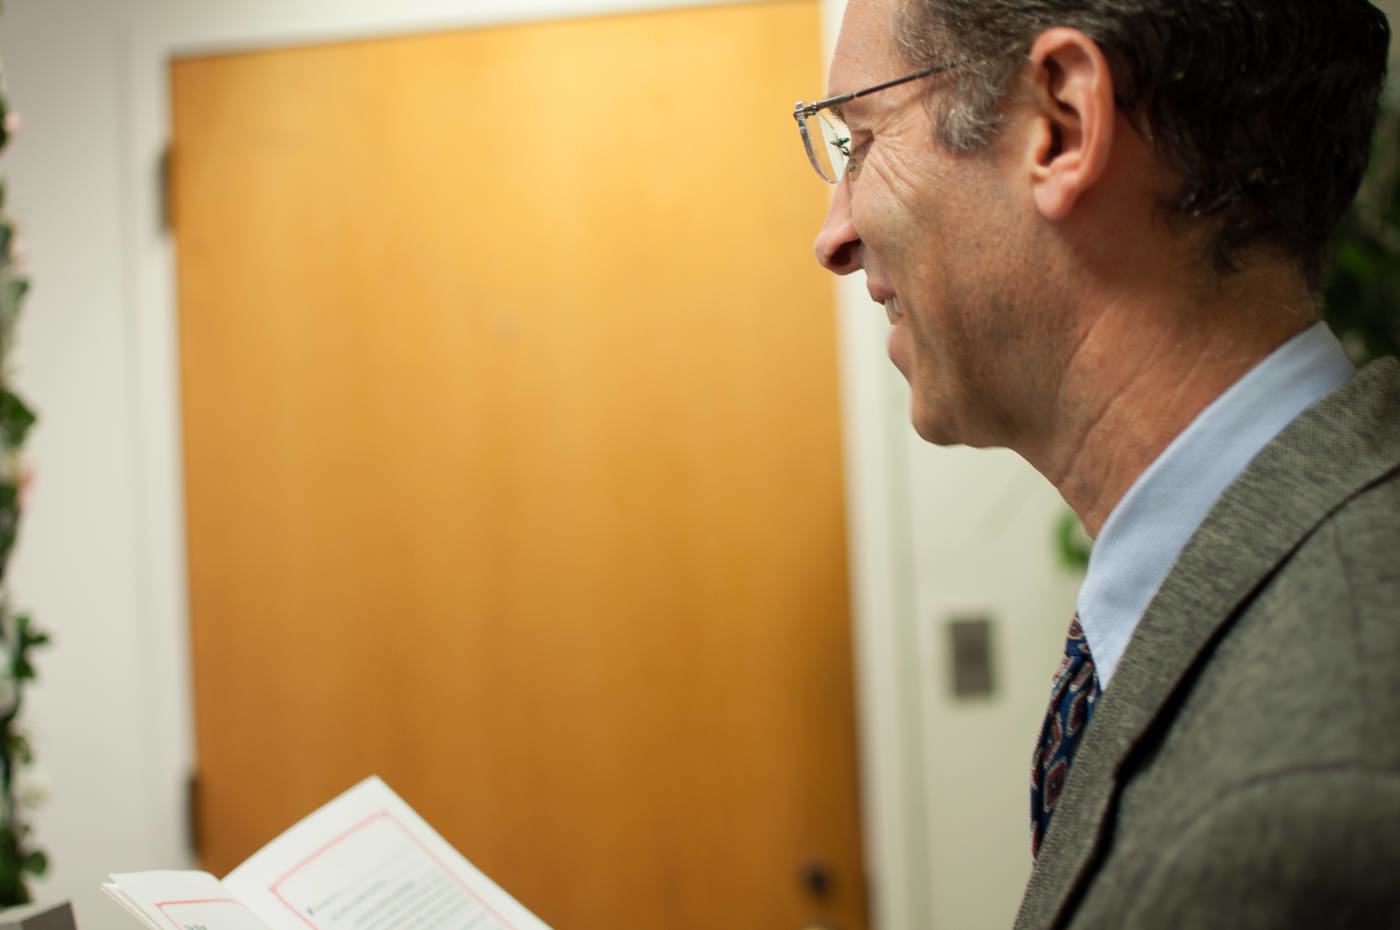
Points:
x=1150 y=526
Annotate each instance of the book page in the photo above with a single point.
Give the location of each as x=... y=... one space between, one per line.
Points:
x=173 y=900
x=367 y=861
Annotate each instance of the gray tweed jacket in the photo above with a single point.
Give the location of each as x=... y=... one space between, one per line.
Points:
x=1243 y=769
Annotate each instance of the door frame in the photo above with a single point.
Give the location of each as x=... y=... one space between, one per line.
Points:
x=873 y=421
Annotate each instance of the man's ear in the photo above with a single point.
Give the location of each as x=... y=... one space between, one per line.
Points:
x=1073 y=113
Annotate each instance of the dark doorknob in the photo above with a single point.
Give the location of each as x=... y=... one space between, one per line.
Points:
x=816 y=880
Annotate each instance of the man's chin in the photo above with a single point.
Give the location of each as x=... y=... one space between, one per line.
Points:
x=931 y=427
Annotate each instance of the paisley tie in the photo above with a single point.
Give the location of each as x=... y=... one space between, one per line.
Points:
x=1072 y=699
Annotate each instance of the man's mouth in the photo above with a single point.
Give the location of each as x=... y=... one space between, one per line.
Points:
x=892 y=309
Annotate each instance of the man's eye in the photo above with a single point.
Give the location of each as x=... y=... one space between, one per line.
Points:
x=842 y=146
x=855 y=156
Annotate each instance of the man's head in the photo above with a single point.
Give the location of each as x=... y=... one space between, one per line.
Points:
x=967 y=249
x=1265 y=110
x=1085 y=185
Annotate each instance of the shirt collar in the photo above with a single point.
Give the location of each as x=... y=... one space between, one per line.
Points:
x=1151 y=525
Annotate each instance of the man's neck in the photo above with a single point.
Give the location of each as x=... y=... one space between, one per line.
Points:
x=1145 y=369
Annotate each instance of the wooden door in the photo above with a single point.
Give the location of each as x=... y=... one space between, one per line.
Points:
x=512 y=457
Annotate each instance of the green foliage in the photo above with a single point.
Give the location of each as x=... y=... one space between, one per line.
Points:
x=9 y=522
x=15 y=419
x=1362 y=297
x=1071 y=542
x=20 y=859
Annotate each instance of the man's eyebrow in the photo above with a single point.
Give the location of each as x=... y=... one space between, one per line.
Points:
x=847 y=110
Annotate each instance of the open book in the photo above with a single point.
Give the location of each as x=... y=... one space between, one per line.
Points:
x=364 y=861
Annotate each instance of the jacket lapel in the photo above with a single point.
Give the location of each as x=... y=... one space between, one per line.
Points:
x=1344 y=443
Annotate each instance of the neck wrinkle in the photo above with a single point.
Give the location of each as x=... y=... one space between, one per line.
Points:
x=1119 y=408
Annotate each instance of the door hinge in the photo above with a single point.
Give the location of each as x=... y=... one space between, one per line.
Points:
x=166 y=205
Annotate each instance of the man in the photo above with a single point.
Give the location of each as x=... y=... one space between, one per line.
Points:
x=1099 y=230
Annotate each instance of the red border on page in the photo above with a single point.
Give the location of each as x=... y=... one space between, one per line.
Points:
x=162 y=905
x=407 y=832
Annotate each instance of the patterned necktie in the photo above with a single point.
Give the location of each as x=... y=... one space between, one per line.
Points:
x=1072 y=698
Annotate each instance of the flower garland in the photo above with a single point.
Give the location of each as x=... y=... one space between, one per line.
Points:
x=19 y=858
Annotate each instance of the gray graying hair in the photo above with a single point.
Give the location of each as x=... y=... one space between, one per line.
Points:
x=1264 y=109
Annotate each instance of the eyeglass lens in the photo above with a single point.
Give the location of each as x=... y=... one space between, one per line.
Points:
x=830 y=144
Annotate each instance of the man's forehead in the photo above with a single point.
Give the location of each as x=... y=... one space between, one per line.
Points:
x=865 y=50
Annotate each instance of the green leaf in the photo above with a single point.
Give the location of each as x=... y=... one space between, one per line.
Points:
x=1072 y=543
x=1353 y=259
x=20 y=749
x=15 y=419
x=9 y=522
x=27 y=634
x=1363 y=289
x=36 y=863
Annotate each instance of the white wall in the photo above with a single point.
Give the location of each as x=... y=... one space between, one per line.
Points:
x=80 y=561
x=100 y=564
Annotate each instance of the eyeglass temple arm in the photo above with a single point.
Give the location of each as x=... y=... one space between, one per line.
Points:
x=808 y=109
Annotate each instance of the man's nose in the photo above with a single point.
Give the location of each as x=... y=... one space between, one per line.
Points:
x=838 y=244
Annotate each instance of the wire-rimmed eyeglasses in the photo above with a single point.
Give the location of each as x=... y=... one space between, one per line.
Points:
x=824 y=132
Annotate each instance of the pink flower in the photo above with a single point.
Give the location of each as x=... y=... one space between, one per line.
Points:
x=19 y=253
x=25 y=482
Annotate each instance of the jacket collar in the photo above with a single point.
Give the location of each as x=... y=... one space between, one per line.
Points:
x=1346 y=442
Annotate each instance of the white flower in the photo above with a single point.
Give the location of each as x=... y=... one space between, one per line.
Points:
x=31 y=789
